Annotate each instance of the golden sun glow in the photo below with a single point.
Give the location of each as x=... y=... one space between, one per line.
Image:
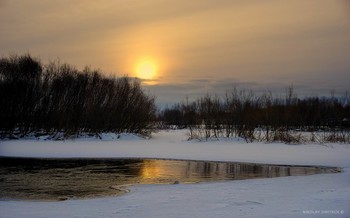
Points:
x=146 y=69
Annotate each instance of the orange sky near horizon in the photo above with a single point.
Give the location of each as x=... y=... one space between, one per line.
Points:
x=301 y=42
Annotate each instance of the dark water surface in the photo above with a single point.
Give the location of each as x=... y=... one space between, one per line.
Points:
x=61 y=179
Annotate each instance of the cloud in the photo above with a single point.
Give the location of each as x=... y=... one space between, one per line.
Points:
x=203 y=47
x=169 y=94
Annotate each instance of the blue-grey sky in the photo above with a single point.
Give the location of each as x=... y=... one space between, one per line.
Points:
x=191 y=47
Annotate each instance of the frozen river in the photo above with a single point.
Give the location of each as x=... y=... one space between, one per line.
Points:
x=72 y=178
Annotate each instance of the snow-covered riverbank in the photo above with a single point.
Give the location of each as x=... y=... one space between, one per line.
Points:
x=325 y=195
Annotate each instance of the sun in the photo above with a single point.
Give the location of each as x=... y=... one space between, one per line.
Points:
x=146 y=69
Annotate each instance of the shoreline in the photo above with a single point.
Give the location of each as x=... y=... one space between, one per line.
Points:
x=59 y=179
x=336 y=168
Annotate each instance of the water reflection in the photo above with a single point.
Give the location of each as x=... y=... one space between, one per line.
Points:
x=54 y=179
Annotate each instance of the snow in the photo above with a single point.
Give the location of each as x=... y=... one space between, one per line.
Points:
x=326 y=195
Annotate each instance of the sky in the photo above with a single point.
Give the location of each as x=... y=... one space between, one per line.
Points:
x=189 y=48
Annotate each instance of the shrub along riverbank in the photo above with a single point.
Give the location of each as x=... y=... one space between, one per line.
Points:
x=242 y=113
x=57 y=99
x=52 y=98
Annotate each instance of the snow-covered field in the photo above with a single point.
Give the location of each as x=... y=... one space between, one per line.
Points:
x=326 y=195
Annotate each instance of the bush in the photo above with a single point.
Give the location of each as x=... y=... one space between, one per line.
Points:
x=241 y=113
x=59 y=98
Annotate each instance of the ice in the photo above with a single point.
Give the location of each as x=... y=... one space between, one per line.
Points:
x=326 y=195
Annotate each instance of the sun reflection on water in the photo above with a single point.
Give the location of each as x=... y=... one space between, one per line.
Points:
x=150 y=169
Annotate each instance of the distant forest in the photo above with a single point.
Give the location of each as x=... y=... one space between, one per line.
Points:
x=242 y=113
x=58 y=100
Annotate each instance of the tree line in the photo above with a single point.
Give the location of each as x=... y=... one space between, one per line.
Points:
x=58 y=98
x=242 y=113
